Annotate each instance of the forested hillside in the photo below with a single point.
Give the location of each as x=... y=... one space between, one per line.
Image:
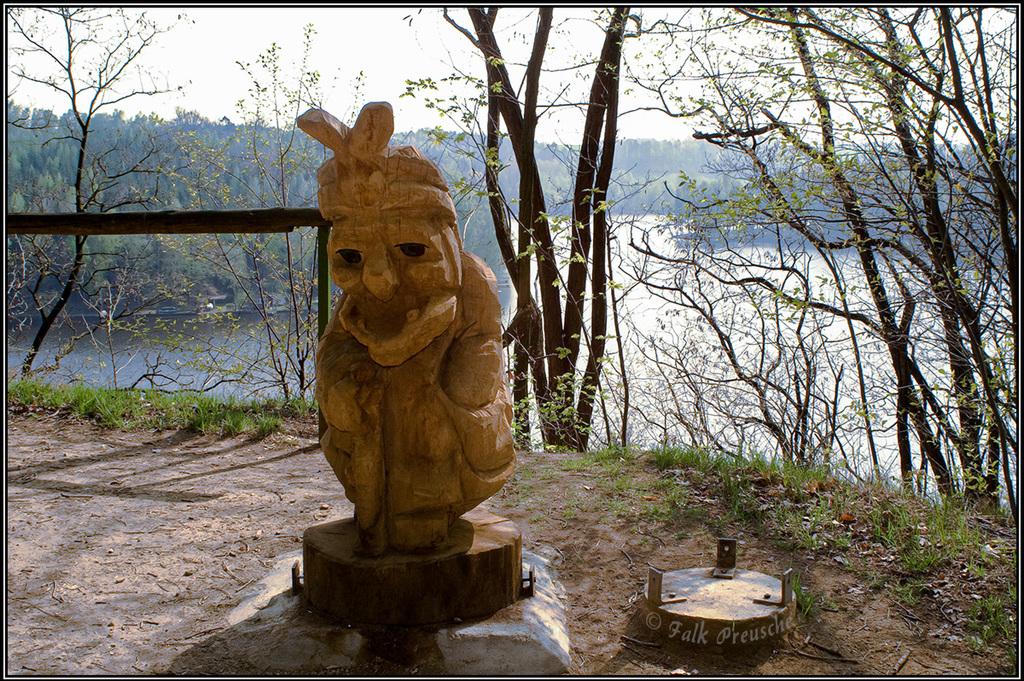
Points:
x=39 y=164
x=192 y=163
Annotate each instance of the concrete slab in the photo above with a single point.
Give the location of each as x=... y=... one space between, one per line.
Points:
x=527 y=637
x=278 y=580
x=273 y=632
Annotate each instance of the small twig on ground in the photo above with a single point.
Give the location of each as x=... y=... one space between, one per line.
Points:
x=910 y=623
x=895 y=651
x=903 y=661
x=228 y=570
x=821 y=657
x=910 y=614
x=825 y=649
x=928 y=666
x=245 y=585
x=198 y=634
x=33 y=605
x=632 y=599
x=652 y=536
x=627 y=557
x=649 y=644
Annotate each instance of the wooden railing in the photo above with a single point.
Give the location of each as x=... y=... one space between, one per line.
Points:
x=188 y=222
x=191 y=222
x=167 y=222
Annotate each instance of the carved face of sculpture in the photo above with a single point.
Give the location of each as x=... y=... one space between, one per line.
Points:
x=394 y=249
x=400 y=276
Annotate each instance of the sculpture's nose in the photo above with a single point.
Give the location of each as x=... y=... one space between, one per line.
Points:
x=379 y=275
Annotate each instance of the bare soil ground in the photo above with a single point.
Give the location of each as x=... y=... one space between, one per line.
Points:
x=127 y=549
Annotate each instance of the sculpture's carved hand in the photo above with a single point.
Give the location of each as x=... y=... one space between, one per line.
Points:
x=370 y=390
x=354 y=401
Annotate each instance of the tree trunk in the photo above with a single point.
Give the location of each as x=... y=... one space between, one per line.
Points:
x=605 y=99
x=48 y=318
x=524 y=298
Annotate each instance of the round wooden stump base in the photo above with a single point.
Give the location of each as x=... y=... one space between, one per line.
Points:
x=479 y=573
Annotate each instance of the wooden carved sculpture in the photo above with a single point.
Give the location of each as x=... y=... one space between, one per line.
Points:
x=410 y=370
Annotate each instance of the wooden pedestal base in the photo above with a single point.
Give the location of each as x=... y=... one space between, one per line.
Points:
x=479 y=573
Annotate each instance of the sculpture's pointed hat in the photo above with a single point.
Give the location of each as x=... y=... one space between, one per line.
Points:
x=367 y=177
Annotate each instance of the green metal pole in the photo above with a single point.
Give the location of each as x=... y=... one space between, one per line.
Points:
x=323 y=285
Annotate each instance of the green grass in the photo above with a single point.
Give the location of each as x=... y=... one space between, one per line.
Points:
x=805 y=602
x=994 y=618
x=809 y=508
x=122 y=408
x=908 y=593
x=670 y=503
x=267 y=423
x=925 y=533
x=702 y=460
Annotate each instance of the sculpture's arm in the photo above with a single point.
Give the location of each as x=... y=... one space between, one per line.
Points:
x=349 y=389
x=473 y=371
x=475 y=386
x=349 y=384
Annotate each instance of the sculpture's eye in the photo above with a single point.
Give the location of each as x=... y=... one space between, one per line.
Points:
x=350 y=255
x=412 y=250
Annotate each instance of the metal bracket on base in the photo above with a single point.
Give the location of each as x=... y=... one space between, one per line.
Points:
x=787 y=592
x=526 y=588
x=654 y=577
x=725 y=567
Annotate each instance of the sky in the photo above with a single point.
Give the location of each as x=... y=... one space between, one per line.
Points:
x=388 y=45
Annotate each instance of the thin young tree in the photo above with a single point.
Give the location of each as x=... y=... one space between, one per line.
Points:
x=90 y=58
x=265 y=163
x=550 y=337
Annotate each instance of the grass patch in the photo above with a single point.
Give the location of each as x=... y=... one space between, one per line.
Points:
x=700 y=459
x=267 y=423
x=669 y=502
x=809 y=508
x=908 y=593
x=124 y=408
x=994 y=618
x=805 y=603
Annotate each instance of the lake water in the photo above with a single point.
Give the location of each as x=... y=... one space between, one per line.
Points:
x=210 y=353
x=222 y=354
